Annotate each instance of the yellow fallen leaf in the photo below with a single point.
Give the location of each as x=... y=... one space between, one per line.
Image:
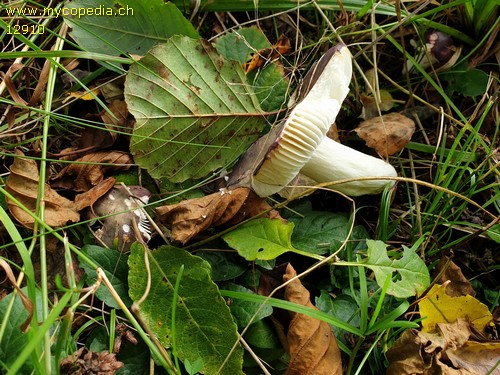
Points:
x=439 y=307
x=83 y=95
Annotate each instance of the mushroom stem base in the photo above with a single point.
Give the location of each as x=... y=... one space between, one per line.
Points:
x=332 y=161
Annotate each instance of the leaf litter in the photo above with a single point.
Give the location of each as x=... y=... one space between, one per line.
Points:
x=191 y=217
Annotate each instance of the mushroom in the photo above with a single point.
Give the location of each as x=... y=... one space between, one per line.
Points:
x=438 y=51
x=118 y=210
x=300 y=145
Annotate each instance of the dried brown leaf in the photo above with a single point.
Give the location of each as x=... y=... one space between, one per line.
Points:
x=446 y=351
x=476 y=357
x=93 y=139
x=84 y=362
x=193 y=216
x=386 y=134
x=457 y=283
x=312 y=344
x=88 y=198
x=82 y=177
x=22 y=183
x=119 y=109
x=11 y=86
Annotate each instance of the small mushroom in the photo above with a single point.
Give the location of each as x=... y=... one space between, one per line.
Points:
x=439 y=51
x=118 y=210
x=300 y=145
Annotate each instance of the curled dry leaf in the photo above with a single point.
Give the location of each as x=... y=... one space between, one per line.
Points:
x=28 y=305
x=83 y=95
x=457 y=283
x=312 y=344
x=22 y=183
x=120 y=121
x=370 y=106
x=89 y=197
x=82 y=177
x=447 y=351
x=386 y=134
x=227 y=207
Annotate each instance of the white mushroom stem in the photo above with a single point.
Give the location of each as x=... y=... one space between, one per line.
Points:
x=332 y=161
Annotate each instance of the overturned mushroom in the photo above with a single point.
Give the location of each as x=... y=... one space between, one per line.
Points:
x=300 y=145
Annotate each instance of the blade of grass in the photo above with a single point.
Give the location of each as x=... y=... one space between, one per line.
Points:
x=291 y=307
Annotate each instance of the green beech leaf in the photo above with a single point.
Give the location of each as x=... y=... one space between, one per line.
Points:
x=141 y=26
x=114 y=265
x=205 y=328
x=414 y=275
x=262 y=238
x=194 y=111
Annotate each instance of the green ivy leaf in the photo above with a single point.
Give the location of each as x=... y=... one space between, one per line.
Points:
x=140 y=28
x=204 y=326
x=194 y=111
x=414 y=275
x=262 y=238
x=114 y=265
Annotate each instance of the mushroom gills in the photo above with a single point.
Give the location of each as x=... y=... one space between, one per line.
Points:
x=304 y=130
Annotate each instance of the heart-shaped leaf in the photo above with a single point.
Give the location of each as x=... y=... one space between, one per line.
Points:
x=194 y=111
